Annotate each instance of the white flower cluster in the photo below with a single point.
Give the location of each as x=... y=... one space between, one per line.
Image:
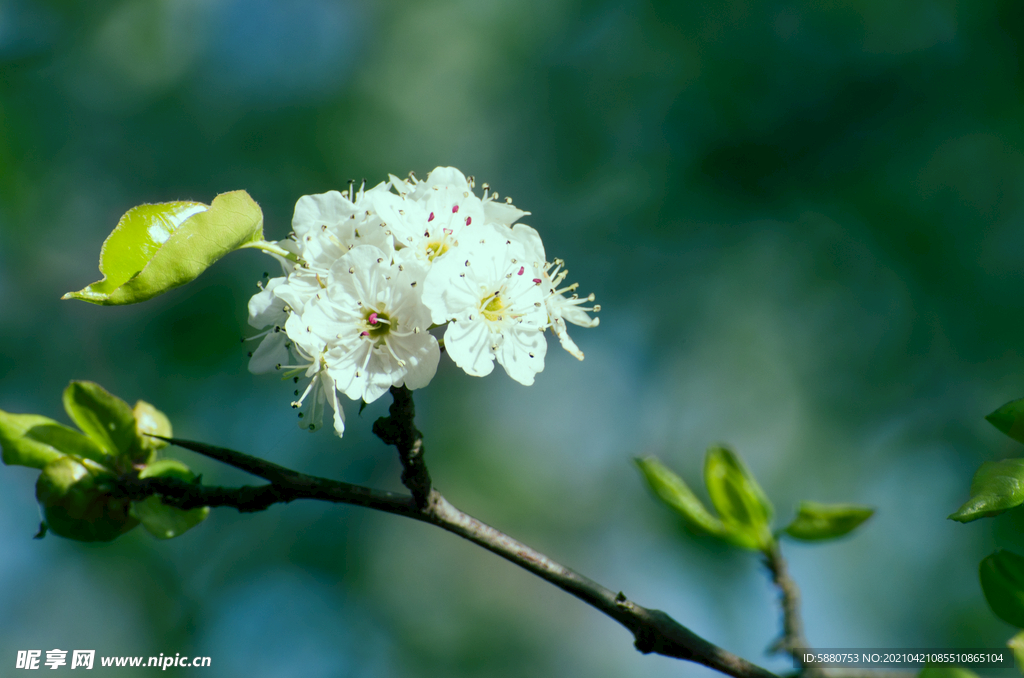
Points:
x=372 y=272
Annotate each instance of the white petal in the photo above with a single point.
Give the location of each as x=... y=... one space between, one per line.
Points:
x=445 y=293
x=404 y=218
x=502 y=213
x=343 y=364
x=270 y=353
x=266 y=308
x=303 y=336
x=379 y=377
x=299 y=289
x=421 y=354
x=400 y=185
x=530 y=240
x=468 y=342
x=445 y=177
x=577 y=316
x=315 y=418
x=331 y=395
x=558 y=326
x=522 y=353
x=313 y=211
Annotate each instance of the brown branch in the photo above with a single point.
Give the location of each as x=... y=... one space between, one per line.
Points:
x=792 y=640
x=653 y=630
x=398 y=429
x=248 y=499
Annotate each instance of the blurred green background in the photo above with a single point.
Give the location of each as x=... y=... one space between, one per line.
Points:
x=804 y=221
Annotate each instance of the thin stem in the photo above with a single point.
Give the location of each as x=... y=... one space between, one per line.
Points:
x=792 y=640
x=272 y=248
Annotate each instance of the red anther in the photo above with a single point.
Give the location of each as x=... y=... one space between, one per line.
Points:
x=469 y=220
x=431 y=217
x=364 y=333
x=373 y=318
x=455 y=209
x=521 y=269
x=537 y=280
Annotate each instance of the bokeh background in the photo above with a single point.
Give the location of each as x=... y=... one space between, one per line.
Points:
x=804 y=221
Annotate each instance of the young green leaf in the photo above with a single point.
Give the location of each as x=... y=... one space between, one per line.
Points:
x=69 y=441
x=159 y=519
x=739 y=500
x=997 y=486
x=815 y=522
x=155 y=248
x=1002 y=580
x=1010 y=419
x=105 y=418
x=34 y=441
x=671 y=489
x=18 y=448
x=151 y=421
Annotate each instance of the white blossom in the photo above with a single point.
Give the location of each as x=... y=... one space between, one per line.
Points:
x=428 y=217
x=368 y=274
x=326 y=226
x=373 y=304
x=559 y=307
x=309 y=346
x=490 y=291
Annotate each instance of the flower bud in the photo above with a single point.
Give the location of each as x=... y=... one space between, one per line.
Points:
x=77 y=503
x=151 y=421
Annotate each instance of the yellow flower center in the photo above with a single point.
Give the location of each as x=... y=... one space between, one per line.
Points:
x=492 y=307
x=436 y=248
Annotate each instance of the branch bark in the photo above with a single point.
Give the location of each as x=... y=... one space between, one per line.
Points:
x=653 y=630
x=792 y=639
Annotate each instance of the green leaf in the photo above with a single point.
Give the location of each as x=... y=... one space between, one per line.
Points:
x=815 y=521
x=151 y=421
x=744 y=509
x=946 y=672
x=68 y=441
x=105 y=418
x=671 y=489
x=997 y=486
x=1010 y=419
x=77 y=503
x=155 y=248
x=160 y=520
x=1017 y=645
x=1002 y=580
x=34 y=441
x=18 y=448
x=168 y=468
